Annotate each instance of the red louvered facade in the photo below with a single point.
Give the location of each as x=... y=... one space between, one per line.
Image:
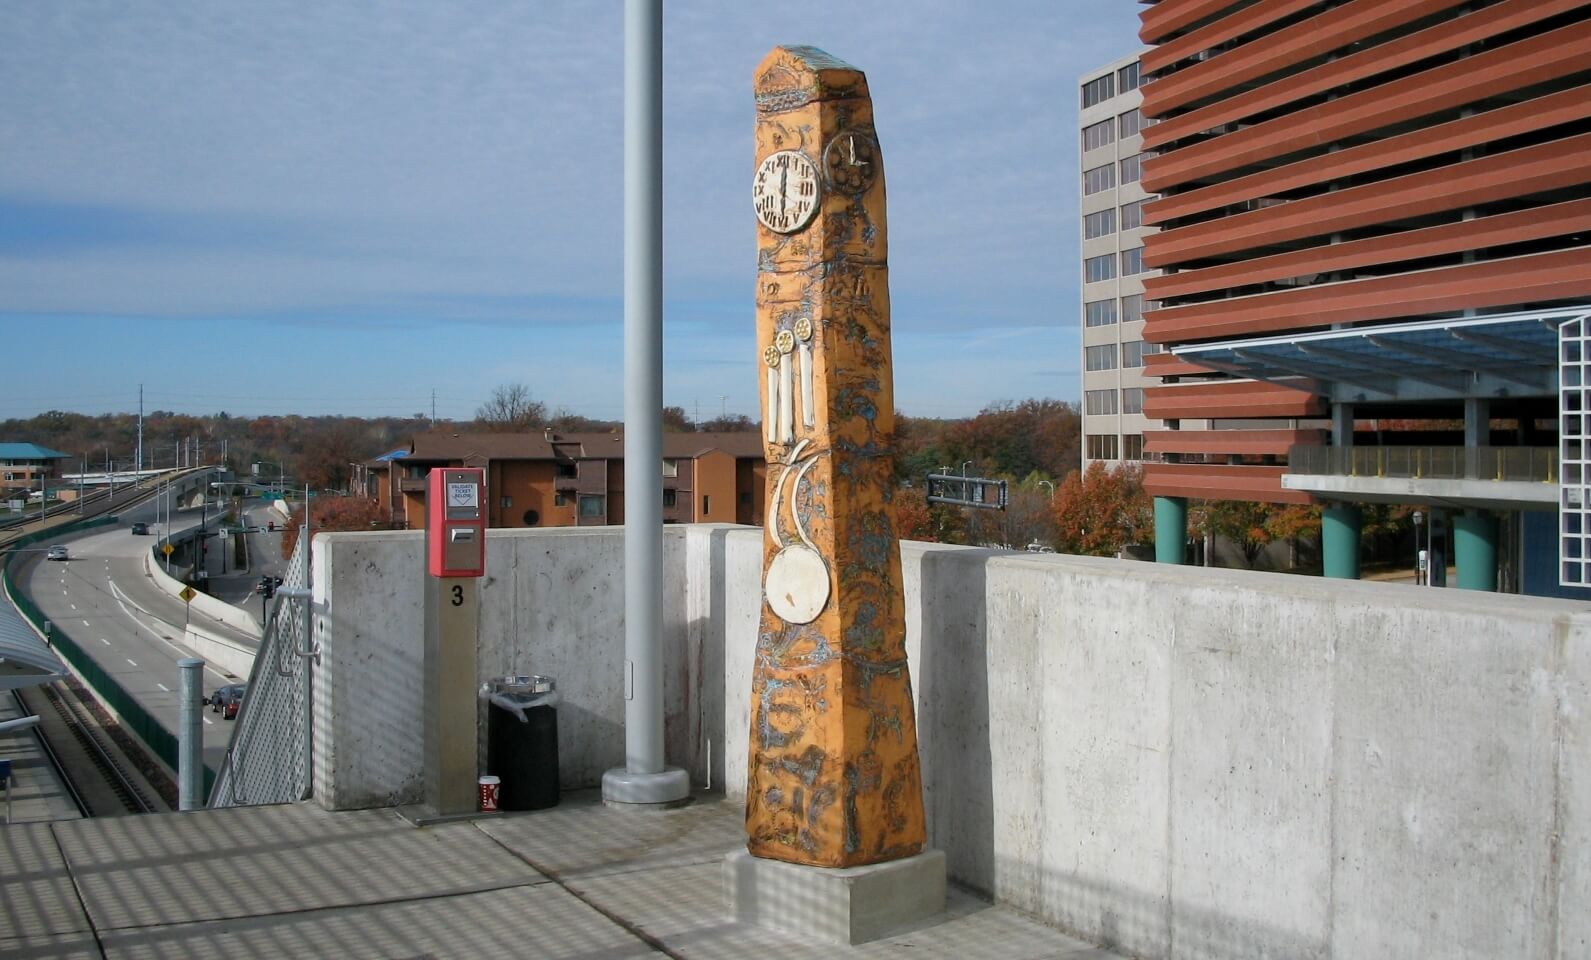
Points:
x=1340 y=165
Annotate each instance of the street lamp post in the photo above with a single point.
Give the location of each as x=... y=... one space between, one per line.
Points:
x=1419 y=568
x=1051 y=485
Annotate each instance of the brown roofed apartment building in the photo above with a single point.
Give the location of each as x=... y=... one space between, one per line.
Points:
x=1372 y=214
x=567 y=480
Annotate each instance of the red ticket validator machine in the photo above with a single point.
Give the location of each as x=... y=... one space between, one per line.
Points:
x=455 y=522
x=455 y=556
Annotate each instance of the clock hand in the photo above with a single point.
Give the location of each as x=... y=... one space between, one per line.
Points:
x=784 y=176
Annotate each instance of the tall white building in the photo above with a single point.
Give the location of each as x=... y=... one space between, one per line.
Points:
x=1112 y=304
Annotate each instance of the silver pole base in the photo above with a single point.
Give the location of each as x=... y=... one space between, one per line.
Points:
x=668 y=787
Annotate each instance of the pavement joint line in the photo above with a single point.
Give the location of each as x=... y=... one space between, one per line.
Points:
x=557 y=877
x=319 y=908
x=77 y=890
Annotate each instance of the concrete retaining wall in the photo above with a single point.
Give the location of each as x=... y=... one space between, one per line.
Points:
x=1176 y=762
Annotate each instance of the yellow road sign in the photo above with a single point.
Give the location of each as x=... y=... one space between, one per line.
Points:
x=168 y=549
x=187 y=594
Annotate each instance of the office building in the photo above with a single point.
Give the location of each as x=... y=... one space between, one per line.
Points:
x=1111 y=233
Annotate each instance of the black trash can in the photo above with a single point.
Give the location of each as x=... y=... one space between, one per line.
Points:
x=522 y=741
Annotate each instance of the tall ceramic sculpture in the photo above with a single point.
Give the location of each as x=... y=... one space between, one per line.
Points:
x=833 y=778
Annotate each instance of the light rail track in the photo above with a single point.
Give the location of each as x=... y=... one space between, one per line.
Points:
x=112 y=792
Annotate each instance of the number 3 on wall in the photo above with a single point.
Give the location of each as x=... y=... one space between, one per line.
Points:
x=458 y=595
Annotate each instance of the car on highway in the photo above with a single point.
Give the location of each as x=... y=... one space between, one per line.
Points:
x=140 y=529
x=226 y=700
x=57 y=552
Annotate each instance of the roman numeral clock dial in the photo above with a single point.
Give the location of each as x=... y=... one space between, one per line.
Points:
x=785 y=191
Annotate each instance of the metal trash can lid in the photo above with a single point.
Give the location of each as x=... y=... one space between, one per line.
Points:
x=520 y=685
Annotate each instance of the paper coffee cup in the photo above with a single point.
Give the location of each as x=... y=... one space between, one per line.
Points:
x=490 y=788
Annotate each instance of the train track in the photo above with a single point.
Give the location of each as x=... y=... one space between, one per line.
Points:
x=77 y=742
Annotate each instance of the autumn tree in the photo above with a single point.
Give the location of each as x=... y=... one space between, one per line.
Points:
x=917 y=519
x=327 y=459
x=731 y=423
x=1292 y=523
x=510 y=409
x=1102 y=511
x=676 y=420
x=334 y=514
x=1240 y=522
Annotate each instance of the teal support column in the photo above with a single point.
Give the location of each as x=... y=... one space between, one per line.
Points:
x=1339 y=542
x=1171 y=529
x=1475 y=550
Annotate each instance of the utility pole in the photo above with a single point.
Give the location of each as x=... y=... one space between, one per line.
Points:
x=433 y=406
x=139 y=476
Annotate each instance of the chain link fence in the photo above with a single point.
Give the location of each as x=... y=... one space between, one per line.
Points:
x=268 y=759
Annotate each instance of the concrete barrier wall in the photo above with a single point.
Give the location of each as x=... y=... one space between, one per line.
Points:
x=1175 y=762
x=203 y=604
x=553 y=604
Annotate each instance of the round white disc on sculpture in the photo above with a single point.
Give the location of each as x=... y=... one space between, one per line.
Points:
x=798 y=584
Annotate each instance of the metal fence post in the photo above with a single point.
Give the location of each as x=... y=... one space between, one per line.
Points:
x=190 y=736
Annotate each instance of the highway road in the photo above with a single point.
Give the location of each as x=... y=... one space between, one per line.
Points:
x=107 y=602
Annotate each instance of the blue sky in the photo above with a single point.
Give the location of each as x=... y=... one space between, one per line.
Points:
x=278 y=207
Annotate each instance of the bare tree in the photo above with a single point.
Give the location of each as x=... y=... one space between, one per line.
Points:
x=511 y=409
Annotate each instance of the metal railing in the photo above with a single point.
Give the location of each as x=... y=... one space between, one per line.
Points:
x=269 y=759
x=1538 y=464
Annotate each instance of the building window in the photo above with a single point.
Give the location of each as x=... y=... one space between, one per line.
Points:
x=559 y=500
x=1129 y=123
x=1128 y=76
x=1102 y=446
x=10 y=477
x=1097 y=403
x=1132 y=446
x=506 y=502
x=670 y=467
x=568 y=470
x=1134 y=351
x=1132 y=215
x=707 y=502
x=1099 y=313
x=1099 y=224
x=1099 y=179
x=531 y=518
x=1101 y=357
x=1099 y=268
x=1098 y=89
x=591 y=505
x=1132 y=261
x=1132 y=400
x=1097 y=135
x=1132 y=168
x=670 y=498
x=1132 y=308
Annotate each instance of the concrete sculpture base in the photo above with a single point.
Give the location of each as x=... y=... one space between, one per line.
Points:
x=847 y=905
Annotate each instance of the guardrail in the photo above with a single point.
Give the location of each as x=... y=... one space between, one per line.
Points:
x=1538 y=464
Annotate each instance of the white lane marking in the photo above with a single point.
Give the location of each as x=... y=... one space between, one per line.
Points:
x=132 y=661
x=74 y=606
x=163 y=687
x=104 y=641
x=85 y=623
x=154 y=632
x=208 y=722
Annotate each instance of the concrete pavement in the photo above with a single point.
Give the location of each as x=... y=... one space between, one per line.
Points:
x=578 y=882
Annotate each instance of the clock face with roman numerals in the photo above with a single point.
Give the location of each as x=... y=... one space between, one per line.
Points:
x=785 y=191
